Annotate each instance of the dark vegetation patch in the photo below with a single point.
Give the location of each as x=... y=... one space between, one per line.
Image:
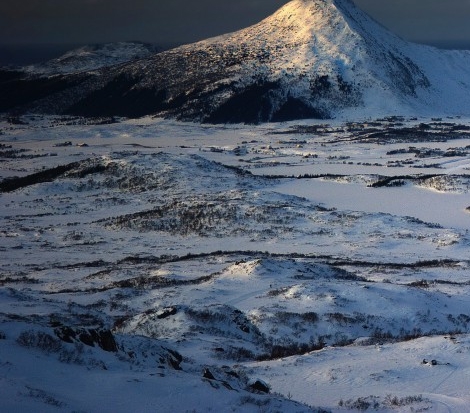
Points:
x=50 y=175
x=288 y=317
x=159 y=282
x=304 y=176
x=21 y=279
x=293 y=109
x=13 y=153
x=433 y=132
x=420 y=284
x=252 y=104
x=20 y=89
x=422 y=153
x=9 y=75
x=209 y=318
x=277 y=351
x=217 y=216
x=39 y=340
x=156 y=282
x=391 y=130
x=328 y=259
x=90 y=264
x=43 y=397
x=120 y=97
x=322 y=129
x=140 y=282
x=179 y=217
x=390 y=402
x=399 y=180
x=263 y=101
x=342 y=319
x=331 y=260
x=277 y=291
x=379 y=335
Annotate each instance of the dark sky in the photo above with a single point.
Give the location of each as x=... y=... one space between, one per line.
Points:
x=444 y=23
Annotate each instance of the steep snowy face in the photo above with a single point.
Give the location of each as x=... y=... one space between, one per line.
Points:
x=327 y=54
x=302 y=37
x=306 y=33
x=333 y=38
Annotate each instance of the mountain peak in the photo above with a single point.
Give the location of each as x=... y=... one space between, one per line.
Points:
x=310 y=59
x=300 y=22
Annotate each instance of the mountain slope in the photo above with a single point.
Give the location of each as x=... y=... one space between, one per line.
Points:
x=94 y=57
x=311 y=59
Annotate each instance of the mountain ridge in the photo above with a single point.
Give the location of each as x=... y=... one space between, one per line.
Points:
x=93 y=57
x=310 y=59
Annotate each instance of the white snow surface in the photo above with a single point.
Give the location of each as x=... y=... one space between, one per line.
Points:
x=254 y=253
x=329 y=262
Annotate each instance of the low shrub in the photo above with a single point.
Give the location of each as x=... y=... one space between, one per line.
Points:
x=40 y=340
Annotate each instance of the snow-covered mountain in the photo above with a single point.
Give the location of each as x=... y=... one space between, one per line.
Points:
x=92 y=57
x=311 y=59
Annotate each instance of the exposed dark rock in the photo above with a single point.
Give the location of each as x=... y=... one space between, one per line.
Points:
x=233 y=374
x=174 y=359
x=207 y=374
x=66 y=334
x=241 y=321
x=259 y=386
x=226 y=385
x=167 y=312
x=105 y=340
x=102 y=338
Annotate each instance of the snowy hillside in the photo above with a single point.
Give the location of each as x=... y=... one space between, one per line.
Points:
x=311 y=59
x=152 y=265
x=94 y=57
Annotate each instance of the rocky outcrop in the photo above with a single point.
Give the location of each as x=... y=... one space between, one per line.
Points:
x=90 y=337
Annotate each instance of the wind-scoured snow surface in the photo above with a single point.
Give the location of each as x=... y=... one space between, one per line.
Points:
x=311 y=59
x=151 y=265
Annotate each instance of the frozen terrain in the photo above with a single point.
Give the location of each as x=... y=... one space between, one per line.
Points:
x=149 y=265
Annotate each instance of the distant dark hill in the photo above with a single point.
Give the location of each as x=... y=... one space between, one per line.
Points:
x=92 y=57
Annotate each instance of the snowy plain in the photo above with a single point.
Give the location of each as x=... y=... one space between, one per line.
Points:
x=168 y=267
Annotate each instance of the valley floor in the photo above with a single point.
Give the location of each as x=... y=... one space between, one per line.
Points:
x=156 y=266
